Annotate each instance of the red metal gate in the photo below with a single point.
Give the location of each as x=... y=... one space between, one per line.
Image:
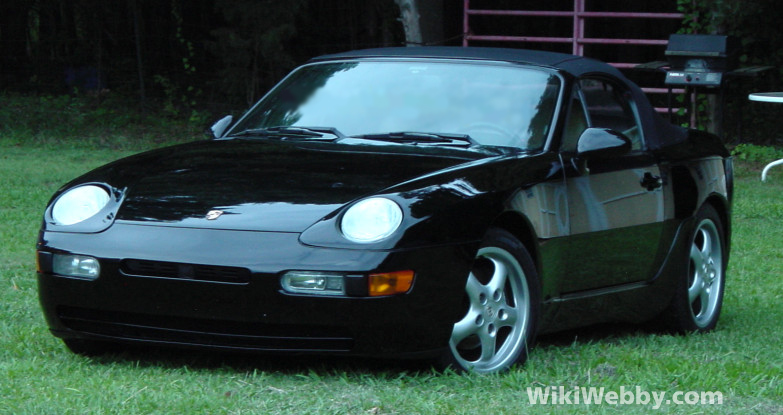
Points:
x=581 y=17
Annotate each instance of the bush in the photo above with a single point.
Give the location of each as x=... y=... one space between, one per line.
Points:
x=109 y=121
x=757 y=154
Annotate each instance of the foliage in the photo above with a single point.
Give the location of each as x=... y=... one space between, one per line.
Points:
x=756 y=25
x=218 y=56
x=747 y=20
x=109 y=121
x=757 y=154
x=194 y=55
x=182 y=91
x=695 y=16
x=254 y=43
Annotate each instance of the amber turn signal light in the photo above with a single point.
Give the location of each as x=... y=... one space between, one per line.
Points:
x=390 y=283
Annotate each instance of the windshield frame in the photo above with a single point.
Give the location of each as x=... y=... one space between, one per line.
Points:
x=556 y=110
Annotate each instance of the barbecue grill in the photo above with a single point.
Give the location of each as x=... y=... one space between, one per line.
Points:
x=701 y=60
x=706 y=63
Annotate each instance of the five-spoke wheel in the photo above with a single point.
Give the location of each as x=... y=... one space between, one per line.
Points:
x=705 y=276
x=697 y=302
x=501 y=308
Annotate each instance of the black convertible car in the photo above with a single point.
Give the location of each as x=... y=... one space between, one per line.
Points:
x=447 y=203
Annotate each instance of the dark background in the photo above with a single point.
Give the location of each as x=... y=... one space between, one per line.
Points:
x=181 y=57
x=212 y=52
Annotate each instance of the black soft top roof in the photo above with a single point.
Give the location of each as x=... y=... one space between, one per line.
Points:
x=658 y=131
x=575 y=65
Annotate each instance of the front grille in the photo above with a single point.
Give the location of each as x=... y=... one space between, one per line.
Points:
x=203 y=332
x=159 y=269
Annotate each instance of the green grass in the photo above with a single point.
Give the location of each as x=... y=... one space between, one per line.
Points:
x=742 y=358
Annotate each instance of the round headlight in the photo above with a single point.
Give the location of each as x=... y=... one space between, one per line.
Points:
x=371 y=220
x=78 y=204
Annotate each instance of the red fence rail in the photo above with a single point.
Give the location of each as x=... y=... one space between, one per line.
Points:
x=580 y=16
x=578 y=39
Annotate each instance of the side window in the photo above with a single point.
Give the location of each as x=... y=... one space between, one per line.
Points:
x=576 y=123
x=611 y=107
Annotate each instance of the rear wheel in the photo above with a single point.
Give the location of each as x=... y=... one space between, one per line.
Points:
x=698 y=300
x=501 y=308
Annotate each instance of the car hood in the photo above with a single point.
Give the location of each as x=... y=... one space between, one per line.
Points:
x=264 y=185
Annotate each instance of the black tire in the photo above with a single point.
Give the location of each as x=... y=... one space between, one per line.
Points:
x=86 y=347
x=502 y=308
x=698 y=298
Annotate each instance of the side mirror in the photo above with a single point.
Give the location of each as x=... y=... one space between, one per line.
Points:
x=598 y=143
x=221 y=126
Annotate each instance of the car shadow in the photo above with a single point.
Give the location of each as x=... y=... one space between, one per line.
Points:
x=599 y=333
x=294 y=364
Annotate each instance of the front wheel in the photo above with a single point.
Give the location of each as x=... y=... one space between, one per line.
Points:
x=698 y=300
x=502 y=302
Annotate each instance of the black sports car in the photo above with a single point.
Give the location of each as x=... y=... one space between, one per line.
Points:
x=447 y=203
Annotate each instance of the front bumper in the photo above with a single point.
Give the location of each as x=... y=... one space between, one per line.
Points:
x=252 y=314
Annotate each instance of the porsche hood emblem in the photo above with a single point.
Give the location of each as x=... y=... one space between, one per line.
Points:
x=214 y=214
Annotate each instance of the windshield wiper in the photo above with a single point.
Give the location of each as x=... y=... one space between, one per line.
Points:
x=283 y=132
x=417 y=137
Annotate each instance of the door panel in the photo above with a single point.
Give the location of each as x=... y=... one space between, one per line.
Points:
x=616 y=226
x=616 y=206
x=613 y=200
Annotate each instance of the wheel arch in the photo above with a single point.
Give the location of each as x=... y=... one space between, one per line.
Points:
x=519 y=226
x=721 y=205
x=685 y=192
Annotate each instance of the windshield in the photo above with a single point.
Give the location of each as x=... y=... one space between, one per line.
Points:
x=499 y=105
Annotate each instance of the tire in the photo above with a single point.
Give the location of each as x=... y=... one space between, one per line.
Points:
x=502 y=303
x=86 y=347
x=698 y=298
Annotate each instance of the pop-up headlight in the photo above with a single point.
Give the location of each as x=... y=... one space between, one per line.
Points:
x=79 y=204
x=371 y=220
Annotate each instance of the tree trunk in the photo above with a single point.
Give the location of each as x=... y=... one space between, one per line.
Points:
x=139 y=63
x=409 y=15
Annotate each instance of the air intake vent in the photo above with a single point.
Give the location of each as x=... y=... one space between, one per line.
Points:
x=158 y=269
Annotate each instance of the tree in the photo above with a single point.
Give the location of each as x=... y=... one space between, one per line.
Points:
x=252 y=44
x=409 y=15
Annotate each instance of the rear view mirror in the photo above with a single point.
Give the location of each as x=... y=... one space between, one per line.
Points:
x=595 y=143
x=221 y=126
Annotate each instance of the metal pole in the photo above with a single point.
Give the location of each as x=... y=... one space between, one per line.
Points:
x=465 y=26
x=579 y=27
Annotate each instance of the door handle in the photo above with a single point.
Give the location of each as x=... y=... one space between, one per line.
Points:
x=651 y=182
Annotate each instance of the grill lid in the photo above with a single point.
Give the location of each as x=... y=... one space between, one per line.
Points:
x=703 y=52
x=700 y=60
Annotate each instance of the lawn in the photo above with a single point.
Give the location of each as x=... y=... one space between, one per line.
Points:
x=741 y=359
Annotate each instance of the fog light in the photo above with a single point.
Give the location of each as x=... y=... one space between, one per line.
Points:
x=390 y=283
x=77 y=266
x=313 y=282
